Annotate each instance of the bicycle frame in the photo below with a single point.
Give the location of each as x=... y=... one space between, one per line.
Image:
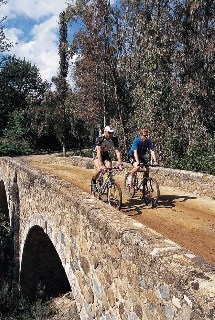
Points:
x=148 y=186
x=108 y=188
x=104 y=182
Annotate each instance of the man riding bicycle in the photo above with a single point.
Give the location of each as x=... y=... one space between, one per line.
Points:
x=138 y=151
x=102 y=159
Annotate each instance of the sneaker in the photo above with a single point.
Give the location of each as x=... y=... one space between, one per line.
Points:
x=94 y=187
x=130 y=180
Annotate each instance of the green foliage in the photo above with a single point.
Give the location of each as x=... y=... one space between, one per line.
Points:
x=14 y=306
x=140 y=64
x=198 y=156
x=21 y=87
x=149 y=63
x=16 y=138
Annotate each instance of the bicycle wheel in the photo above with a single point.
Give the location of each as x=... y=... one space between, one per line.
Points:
x=94 y=189
x=114 y=195
x=151 y=191
x=130 y=188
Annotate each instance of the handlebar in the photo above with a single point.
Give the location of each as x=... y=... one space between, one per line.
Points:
x=149 y=165
x=110 y=169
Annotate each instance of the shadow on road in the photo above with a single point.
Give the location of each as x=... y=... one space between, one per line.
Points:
x=135 y=205
x=167 y=201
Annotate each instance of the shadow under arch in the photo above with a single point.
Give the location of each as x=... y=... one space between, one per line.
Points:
x=41 y=266
x=3 y=203
x=6 y=242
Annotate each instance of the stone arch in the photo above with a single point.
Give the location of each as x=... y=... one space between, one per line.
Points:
x=41 y=265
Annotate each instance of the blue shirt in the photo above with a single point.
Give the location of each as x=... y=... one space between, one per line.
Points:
x=141 y=146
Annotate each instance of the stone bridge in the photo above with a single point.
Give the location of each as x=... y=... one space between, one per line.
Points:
x=115 y=267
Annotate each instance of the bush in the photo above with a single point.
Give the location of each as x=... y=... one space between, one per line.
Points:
x=11 y=147
x=14 y=306
x=198 y=157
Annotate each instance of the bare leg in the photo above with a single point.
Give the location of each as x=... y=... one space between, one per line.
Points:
x=135 y=169
x=97 y=169
x=147 y=172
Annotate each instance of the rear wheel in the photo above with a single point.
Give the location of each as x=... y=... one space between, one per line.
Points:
x=130 y=188
x=114 y=195
x=151 y=191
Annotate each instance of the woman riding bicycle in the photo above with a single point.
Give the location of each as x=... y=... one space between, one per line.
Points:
x=138 y=150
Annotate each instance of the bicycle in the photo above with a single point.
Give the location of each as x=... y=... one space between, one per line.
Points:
x=144 y=183
x=107 y=189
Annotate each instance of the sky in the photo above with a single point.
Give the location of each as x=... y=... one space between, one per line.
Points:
x=32 y=25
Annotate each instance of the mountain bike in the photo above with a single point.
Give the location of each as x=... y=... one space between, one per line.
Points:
x=107 y=189
x=144 y=183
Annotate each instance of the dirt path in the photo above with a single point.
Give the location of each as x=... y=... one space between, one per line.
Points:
x=182 y=217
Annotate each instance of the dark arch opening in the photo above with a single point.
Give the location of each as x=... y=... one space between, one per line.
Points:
x=3 y=203
x=41 y=267
x=6 y=243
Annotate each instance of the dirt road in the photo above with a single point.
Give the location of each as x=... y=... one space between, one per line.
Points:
x=184 y=218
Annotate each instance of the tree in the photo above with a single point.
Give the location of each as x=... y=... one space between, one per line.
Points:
x=101 y=84
x=61 y=81
x=4 y=43
x=20 y=87
x=149 y=63
x=22 y=91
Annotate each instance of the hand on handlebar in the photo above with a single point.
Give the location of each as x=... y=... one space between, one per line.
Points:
x=155 y=163
x=140 y=164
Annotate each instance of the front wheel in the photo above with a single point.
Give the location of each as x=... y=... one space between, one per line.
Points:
x=94 y=189
x=151 y=191
x=114 y=195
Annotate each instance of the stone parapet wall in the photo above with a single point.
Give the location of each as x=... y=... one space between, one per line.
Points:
x=195 y=182
x=117 y=268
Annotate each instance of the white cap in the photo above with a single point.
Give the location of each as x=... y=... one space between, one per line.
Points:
x=107 y=128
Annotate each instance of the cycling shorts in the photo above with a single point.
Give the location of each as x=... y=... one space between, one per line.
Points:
x=141 y=159
x=105 y=157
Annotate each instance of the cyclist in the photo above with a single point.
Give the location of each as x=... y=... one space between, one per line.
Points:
x=137 y=152
x=101 y=156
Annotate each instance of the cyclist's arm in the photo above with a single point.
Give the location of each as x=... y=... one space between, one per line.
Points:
x=118 y=151
x=119 y=156
x=136 y=156
x=153 y=156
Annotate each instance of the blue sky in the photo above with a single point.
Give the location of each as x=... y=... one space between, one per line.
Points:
x=32 y=25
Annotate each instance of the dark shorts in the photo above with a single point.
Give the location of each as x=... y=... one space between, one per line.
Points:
x=132 y=160
x=105 y=157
